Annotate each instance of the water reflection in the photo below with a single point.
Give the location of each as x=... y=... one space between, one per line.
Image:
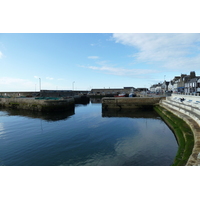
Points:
x=132 y=113
x=2 y=131
x=89 y=137
x=56 y=116
x=95 y=100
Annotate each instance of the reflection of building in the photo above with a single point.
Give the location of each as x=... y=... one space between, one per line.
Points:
x=95 y=100
x=47 y=116
x=112 y=91
x=131 y=113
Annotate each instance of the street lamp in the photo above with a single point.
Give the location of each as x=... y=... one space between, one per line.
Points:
x=40 y=82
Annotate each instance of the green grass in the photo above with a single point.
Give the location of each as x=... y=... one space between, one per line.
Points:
x=183 y=134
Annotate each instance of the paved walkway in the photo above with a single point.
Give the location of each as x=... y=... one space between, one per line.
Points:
x=190 y=113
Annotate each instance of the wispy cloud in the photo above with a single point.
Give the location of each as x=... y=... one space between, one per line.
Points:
x=1 y=55
x=137 y=73
x=49 y=78
x=171 y=51
x=16 y=83
x=98 y=43
x=8 y=80
x=36 y=77
x=93 y=57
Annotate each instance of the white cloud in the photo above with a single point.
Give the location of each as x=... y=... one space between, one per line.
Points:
x=93 y=57
x=17 y=84
x=1 y=54
x=122 y=71
x=14 y=84
x=171 y=50
x=7 y=80
x=49 y=78
x=98 y=43
x=36 y=77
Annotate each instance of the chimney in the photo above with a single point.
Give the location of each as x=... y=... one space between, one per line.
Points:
x=192 y=74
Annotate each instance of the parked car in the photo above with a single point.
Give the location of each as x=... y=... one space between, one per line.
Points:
x=132 y=95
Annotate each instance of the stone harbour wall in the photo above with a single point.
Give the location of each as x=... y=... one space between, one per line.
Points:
x=37 y=104
x=129 y=102
x=189 y=111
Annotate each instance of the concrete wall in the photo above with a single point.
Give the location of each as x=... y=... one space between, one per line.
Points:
x=188 y=107
x=37 y=105
x=187 y=97
x=128 y=102
x=112 y=90
x=190 y=113
x=45 y=93
x=18 y=94
x=56 y=93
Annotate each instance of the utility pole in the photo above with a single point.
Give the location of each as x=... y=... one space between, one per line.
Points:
x=40 y=82
x=73 y=87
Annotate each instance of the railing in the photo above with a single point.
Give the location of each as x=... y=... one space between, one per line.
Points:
x=190 y=94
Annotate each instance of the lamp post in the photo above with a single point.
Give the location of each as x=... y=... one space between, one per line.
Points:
x=73 y=87
x=40 y=82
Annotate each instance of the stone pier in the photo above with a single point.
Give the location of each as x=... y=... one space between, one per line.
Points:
x=129 y=102
x=37 y=104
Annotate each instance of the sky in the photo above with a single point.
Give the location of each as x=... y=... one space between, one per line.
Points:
x=83 y=61
x=96 y=44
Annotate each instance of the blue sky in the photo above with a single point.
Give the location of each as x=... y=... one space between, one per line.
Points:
x=98 y=60
x=94 y=60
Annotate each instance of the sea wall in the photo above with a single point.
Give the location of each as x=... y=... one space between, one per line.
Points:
x=183 y=134
x=18 y=94
x=129 y=102
x=37 y=104
x=186 y=97
x=189 y=111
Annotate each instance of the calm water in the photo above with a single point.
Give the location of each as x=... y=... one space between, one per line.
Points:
x=85 y=136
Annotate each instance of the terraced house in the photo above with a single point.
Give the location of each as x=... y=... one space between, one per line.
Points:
x=192 y=84
x=183 y=84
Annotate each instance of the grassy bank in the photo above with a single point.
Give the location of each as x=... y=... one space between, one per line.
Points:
x=183 y=134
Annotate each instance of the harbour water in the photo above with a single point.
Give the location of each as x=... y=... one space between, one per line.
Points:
x=85 y=137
